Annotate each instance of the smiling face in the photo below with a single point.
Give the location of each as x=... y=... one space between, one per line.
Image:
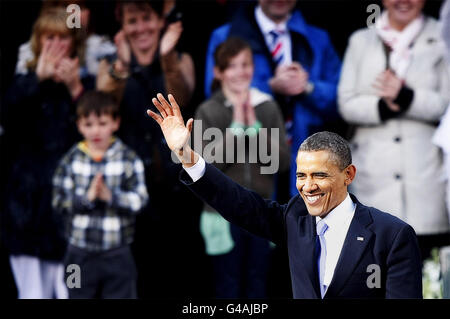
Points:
x=402 y=12
x=98 y=130
x=320 y=182
x=238 y=75
x=142 y=27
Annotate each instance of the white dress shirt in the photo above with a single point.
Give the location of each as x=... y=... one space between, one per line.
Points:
x=338 y=221
x=266 y=26
x=197 y=170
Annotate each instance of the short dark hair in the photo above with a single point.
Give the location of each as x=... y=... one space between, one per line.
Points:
x=97 y=102
x=155 y=5
x=337 y=146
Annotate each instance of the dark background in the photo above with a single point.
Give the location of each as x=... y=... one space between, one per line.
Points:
x=339 y=17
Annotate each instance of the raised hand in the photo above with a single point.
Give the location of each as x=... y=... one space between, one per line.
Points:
x=49 y=58
x=123 y=48
x=68 y=72
x=172 y=125
x=171 y=122
x=170 y=38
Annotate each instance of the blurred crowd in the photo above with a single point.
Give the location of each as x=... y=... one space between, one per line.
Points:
x=87 y=177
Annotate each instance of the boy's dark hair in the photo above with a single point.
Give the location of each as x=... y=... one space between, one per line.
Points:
x=97 y=102
x=155 y=5
x=225 y=52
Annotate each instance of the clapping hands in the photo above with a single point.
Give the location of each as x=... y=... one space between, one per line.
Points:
x=98 y=189
x=387 y=86
x=243 y=111
x=54 y=63
x=289 y=79
x=123 y=47
x=51 y=54
x=170 y=38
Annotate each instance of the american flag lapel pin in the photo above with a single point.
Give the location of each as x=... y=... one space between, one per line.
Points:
x=360 y=238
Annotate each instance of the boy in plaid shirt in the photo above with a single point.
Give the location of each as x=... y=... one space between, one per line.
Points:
x=99 y=185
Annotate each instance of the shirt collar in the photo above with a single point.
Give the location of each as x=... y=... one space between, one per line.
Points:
x=266 y=25
x=339 y=214
x=113 y=147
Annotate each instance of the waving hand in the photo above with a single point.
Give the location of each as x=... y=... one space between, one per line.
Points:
x=172 y=125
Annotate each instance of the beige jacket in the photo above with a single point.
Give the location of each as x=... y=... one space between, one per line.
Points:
x=399 y=170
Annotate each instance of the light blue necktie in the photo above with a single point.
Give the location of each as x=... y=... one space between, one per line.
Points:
x=321 y=228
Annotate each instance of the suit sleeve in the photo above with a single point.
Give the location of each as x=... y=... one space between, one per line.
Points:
x=404 y=266
x=238 y=205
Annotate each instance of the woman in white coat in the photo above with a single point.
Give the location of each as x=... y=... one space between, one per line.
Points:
x=394 y=88
x=442 y=135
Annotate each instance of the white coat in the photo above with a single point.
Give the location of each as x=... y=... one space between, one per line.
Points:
x=399 y=170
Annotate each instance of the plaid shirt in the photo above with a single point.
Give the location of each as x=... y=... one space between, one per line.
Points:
x=99 y=225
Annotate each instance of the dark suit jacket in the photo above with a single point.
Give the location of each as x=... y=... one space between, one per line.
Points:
x=387 y=241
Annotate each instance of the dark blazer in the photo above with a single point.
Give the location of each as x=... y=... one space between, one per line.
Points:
x=387 y=241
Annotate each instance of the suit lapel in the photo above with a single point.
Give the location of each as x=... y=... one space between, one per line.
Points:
x=352 y=249
x=307 y=226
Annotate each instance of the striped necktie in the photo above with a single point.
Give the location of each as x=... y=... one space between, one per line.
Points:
x=276 y=45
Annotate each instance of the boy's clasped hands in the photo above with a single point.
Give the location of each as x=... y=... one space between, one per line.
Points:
x=98 y=189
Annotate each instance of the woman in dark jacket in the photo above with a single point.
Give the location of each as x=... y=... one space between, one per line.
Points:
x=39 y=129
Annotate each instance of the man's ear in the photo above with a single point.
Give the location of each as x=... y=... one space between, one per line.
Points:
x=350 y=173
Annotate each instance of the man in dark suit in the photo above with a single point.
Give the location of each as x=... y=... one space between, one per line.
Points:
x=338 y=248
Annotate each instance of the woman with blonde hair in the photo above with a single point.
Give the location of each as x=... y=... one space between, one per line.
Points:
x=92 y=47
x=39 y=129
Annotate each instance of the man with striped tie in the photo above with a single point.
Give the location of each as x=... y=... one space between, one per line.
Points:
x=294 y=61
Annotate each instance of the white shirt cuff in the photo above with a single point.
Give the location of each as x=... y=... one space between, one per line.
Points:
x=196 y=171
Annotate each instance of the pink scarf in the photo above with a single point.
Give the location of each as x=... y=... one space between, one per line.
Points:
x=399 y=41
